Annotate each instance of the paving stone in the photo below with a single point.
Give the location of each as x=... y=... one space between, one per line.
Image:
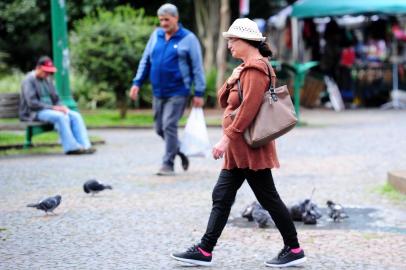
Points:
x=345 y=156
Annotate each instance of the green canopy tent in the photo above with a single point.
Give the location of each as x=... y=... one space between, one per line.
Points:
x=325 y=8
x=322 y=8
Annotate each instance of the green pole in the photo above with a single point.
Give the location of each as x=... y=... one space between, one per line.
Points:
x=297 y=84
x=300 y=70
x=61 y=51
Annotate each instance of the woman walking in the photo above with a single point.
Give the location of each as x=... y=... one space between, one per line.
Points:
x=241 y=162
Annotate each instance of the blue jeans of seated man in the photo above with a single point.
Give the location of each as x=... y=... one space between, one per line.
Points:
x=167 y=112
x=71 y=128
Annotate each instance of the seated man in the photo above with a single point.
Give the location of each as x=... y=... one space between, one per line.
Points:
x=40 y=102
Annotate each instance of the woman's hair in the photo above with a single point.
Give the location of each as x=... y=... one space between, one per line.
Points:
x=263 y=47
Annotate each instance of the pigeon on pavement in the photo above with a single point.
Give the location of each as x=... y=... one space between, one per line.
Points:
x=262 y=217
x=336 y=211
x=255 y=212
x=247 y=213
x=93 y=186
x=48 y=204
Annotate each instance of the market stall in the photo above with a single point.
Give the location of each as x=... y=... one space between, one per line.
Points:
x=370 y=65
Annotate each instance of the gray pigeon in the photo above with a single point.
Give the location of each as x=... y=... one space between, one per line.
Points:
x=247 y=213
x=336 y=211
x=262 y=217
x=48 y=204
x=93 y=186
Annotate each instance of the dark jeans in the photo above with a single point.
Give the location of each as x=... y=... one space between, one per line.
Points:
x=167 y=112
x=261 y=183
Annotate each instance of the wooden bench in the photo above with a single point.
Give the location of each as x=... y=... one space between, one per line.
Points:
x=9 y=104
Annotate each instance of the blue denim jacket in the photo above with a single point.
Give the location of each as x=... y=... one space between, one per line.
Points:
x=172 y=65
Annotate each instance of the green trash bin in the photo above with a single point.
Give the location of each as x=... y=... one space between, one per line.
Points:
x=300 y=70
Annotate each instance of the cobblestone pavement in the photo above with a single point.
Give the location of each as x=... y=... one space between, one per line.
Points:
x=145 y=217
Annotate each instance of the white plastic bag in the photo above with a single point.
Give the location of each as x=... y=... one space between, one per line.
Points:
x=195 y=141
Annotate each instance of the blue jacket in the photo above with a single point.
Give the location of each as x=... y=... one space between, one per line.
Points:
x=172 y=65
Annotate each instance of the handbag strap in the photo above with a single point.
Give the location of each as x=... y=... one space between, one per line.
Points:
x=271 y=88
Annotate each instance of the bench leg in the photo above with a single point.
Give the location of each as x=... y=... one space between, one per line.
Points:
x=28 y=137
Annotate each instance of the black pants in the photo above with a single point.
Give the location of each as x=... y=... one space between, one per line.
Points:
x=261 y=183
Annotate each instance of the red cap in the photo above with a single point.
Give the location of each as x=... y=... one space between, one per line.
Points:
x=45 y=63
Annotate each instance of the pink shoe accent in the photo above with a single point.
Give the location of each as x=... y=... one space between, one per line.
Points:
x=296 y=250
x=207 y=254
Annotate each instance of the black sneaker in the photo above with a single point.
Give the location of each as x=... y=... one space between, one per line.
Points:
x=75 y=152
x=194 y=255
x=287 y=258
x=90 y=151
x=185 y=160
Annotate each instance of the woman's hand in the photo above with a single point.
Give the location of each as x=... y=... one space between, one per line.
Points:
x=235 y=75
x=220 y=147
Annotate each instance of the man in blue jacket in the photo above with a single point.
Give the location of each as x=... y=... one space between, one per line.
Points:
x=173 y=61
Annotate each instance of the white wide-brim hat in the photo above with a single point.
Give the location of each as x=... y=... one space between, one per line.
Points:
x=244 y=29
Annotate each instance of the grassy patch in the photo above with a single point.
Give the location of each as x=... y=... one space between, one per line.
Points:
x=107 y=118
x=390 y=192
x=111 y=118
x=46 y=140
x=31 y=151
x=369 y=236
x=9 y=121
x=8 y=138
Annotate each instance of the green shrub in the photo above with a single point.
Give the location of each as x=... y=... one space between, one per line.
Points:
x=3 y=65
x=91 y=95
x=11 y=83
x=211 y=90
x=107 y=46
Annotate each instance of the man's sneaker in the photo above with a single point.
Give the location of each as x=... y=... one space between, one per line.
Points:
x=165 y=171
x=185 y=160
x=194 y=255
x=90 y=151
x=79 y=151
x=287 y=258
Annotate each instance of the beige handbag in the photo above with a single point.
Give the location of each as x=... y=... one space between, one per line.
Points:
x=275 y=117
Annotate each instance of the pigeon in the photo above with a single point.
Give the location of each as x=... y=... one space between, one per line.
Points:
x=247 y=213
x=262 y=217
x=48 y=204
x=93 y=186
x=311 y=214
x=255 y=212
x=296 y=211
x=306 y=211
x=336 y=211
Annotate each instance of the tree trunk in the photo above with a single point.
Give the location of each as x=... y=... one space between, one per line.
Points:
x=121 y=103
x=207 y=21
x=221 y=57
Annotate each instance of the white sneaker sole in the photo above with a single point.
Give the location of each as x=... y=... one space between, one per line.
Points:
x=292 y=263
x=194 y=262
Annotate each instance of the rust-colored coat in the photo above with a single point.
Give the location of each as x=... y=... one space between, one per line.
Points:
x=254 y=81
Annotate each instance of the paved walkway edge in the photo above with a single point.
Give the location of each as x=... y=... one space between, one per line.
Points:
x=398 y=180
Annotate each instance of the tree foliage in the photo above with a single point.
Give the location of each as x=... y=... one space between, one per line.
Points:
x=107 y=46
x=24 y=28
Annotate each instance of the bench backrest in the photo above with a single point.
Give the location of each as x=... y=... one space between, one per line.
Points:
x=9 y=104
